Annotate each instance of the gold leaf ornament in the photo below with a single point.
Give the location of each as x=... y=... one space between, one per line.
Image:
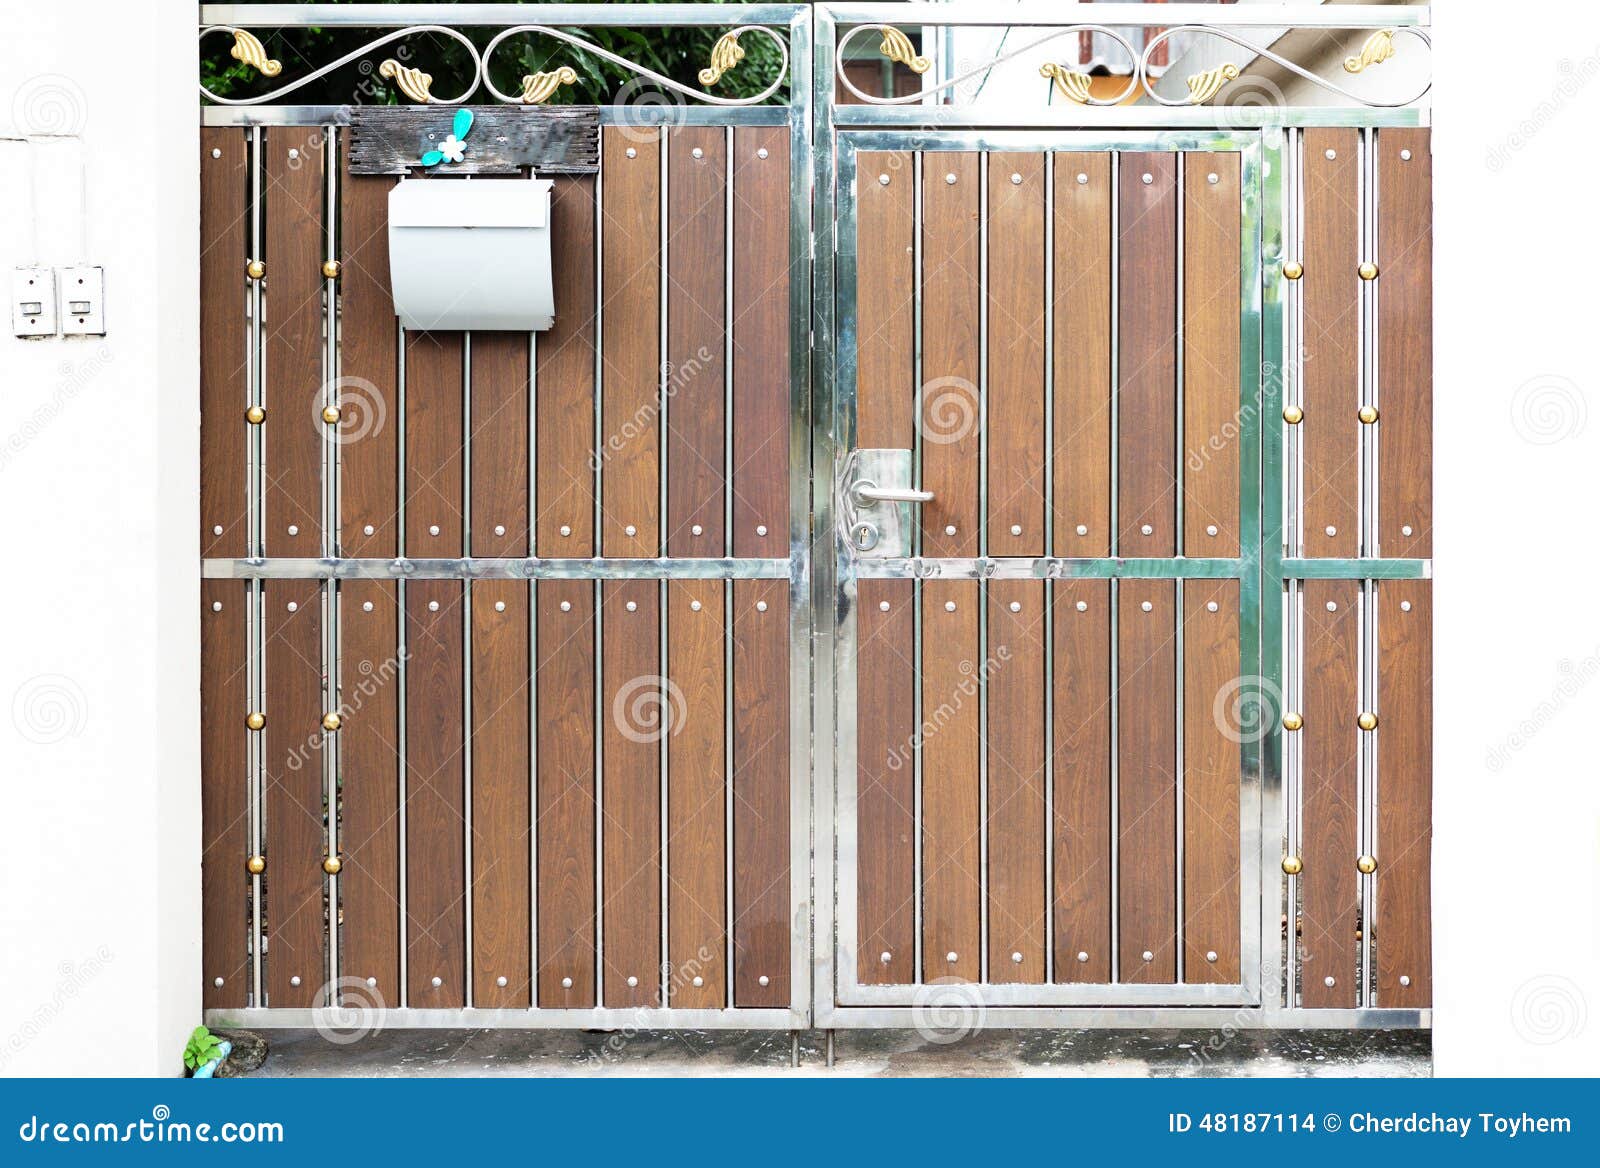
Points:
x=725 y=54
x=538 y=88
x=897 y=47
x=1073 y=85
x=1204 y=86
x=414 y=83
x=252 y=52
x=1379 y=47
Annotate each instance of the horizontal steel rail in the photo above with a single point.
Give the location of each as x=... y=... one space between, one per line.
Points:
x=634 y=116
x=1039 y=13
x=491 y=15
x=487 y=568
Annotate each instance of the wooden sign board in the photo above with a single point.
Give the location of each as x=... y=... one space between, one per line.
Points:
x=503 y=140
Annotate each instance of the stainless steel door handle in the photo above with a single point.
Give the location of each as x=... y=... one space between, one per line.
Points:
x=867 y=491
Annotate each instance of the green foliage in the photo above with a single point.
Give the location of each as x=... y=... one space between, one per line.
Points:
x=678 y=53
x=202 y=1047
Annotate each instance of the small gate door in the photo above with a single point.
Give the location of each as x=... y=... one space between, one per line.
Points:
x=1047 y=515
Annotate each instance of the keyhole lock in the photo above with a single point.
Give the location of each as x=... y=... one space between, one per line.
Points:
x=866 y=536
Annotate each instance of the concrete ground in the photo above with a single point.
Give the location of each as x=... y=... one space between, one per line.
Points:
x=885 y=1053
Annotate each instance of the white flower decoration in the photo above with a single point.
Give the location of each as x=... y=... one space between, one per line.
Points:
x=453 y=148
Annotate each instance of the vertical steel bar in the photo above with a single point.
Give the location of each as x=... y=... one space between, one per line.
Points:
x=918 y=866
x=1177 y=528
x=728 y=421
x=597 y=548
x=330 y=526
x=983 y=586
x=533 y=671
x=1115 y=200
x=467 y=735
x=666 y=971
x=1050 y=550
x=254 y=395
x=404 y=773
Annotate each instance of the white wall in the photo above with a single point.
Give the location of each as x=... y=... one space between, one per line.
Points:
x=99 y=794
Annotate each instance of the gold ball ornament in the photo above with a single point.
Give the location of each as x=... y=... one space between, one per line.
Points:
x=255 y=415
x=330 y=269
x=330 y=722
x=1367 y=720
x=256 y=865
x=256 y=720
x=1367 y=865
x=1291 y=865
x=255 y=269
x=1367 y=414
x=332 y=865
x=1292 y=270
x=330 y=415
x=1293 y=721
x=1368 y=271
x=1294 y=415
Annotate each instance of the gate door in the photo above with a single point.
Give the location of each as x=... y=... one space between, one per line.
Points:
x=1047 y=512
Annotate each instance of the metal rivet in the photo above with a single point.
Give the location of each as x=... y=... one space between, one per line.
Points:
x=1147 y=530
x=949 y=528
x=632 y=981
x=1291 y=865
x=293 y=606
x=1211 y=606
x=949 y=606
x=950 y=957
x=631 y=152
x=566 y=606
x=437 y=982
x=1405 y=529
x=295 y=980
x=1330 y=154
x=1212 y=179
x=694 y=606
x=294 y=153
x=1405 y=979
x=499 y=606
x=630 y=530
x=1148 y=956
x=1083 y=179
x=1333 y=606
x=697 y=152
x=1211 y=529
x=372 y=981
x=368 y=529
x=1016 y=180
x=294 y=529
x=1211 y=954
x=763 y=980
x=761 y=529
x=1405 y=156
x=501 y=980
x=433 y=606
x=216 y=529
x=1293 y=721
x=1329 y=981
x=1083 y=529
x=366 y=606
x=1016 y=606
x=761 y=606
x=499 y=528
x=433 y=529
x=1147 y=179
x=216 y=981
x=566 y=983
x=565 y=530
x=699 y=981
x=633 y=606
x=696 y=530
x=1330 y=530
x=884 y=957
x=216 y=606
x=883 y=606
x=1016 y=958
x=216 y=152
x=1082 y=956
x=1016 y=529
x=883 y=180
x=950 y=179
x=1147 y=606
x=1083 y=606
x=761 y=153
x=1405 y=606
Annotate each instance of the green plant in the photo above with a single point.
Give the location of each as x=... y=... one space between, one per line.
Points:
x=202 y=1047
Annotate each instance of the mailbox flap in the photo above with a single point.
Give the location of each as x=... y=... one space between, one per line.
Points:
x=458 y=202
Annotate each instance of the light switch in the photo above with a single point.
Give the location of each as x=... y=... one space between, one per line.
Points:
x=33 y=302
x=83 y=301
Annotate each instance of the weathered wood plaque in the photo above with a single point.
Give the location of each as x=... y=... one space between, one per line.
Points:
x=503 y=140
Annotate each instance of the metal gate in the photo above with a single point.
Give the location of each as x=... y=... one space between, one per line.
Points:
x=1004 y=641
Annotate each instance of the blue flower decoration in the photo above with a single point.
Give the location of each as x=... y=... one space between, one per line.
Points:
x=453 y=148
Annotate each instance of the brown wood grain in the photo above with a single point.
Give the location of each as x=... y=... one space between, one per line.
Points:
x=697 y=384
x=631 y=345
x=434 y=432
x=951 y=864
x=885 y=301
x=1405 y=344
x=1212 y=765
x=369 y=406
x=1146 y=357
x=294 y=840
x=435 y=795
x=566 y=793
x=502 y=826
x=761 y=908
x=499 y=444
x=696 y=797
x=1082 y=355
x=1330 y=433
x=1082 y=777
x=1147 y=778
x=1212 y=430
x=634 y=716
x=292 y=350
x=1403 y=928
x=564 y=386
x=760 y=420
x=1328 y=841
x=950 y=405
x=224 y=783
x=369 y=785
x=1015 y=419
x=1015 y=741
x=224 y=343
x=885 y=794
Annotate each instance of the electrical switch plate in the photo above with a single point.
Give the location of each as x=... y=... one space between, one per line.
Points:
x=83 y=301
x=33 y=302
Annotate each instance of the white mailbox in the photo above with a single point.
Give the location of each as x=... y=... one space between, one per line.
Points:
x=471 y=253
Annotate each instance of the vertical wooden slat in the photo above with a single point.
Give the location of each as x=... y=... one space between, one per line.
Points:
x=499 y=444
x=369 y=426
x=1147 y=779
x=630 y=348
x=760 y=420
x=761 y=792
x=951 y=422
x=501 y=827
x=1405 y=343
x=950 y=803
x=224 y=780
x=292 y=323
x=564 y=686
x=885 y=280
x=1403 y=929
x=885 y=771
x=696 y=797
x=1015 y=741
x=1212 y=762
x=1082 y=357
x=1146 y=356
x=224 y=342
x=435 y=795
x=1082 y=776
x=1328 y=751
x=1015 y=420
x=565 y=383
x=1331 y=289
x=369 y=792
x=433 y=443
x=634 y=717
x=294 y=793
x=697 y=169
x=1212 y=418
